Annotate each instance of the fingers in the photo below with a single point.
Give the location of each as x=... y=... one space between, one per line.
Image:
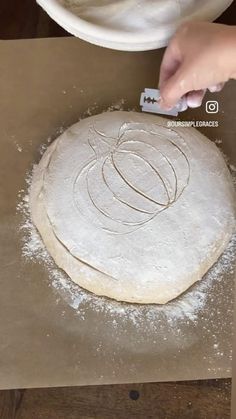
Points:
x=175 y=87
x=216 y=88
x=169 y=65
x=194 y=99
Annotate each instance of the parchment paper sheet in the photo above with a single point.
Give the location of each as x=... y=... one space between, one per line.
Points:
x=46 y=85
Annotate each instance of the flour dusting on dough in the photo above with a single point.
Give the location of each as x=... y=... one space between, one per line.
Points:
x=186 y=308
x=133 y=210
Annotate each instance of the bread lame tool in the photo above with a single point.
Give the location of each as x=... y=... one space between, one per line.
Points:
x=149 y=101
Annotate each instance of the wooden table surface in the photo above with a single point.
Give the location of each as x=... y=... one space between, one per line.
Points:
x=210 y=399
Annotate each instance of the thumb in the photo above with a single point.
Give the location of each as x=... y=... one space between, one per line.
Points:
x=175 y=87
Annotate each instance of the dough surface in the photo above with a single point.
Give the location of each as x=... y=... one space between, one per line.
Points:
x=131 y=209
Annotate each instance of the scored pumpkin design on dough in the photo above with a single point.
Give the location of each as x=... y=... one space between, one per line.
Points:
x=128 y=181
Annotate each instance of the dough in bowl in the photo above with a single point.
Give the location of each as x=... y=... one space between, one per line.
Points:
x=131 y=209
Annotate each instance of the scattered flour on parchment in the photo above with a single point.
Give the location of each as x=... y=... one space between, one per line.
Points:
x=119 y=105
x=18 y=147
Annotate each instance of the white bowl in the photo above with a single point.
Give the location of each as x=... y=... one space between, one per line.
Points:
x=117 y=25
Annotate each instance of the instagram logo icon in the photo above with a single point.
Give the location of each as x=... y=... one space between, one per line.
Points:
x=212 y=106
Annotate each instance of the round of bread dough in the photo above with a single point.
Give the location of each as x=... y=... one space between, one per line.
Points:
x=131 y=209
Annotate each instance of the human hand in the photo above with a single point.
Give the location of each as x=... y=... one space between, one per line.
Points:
x=199 y=56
